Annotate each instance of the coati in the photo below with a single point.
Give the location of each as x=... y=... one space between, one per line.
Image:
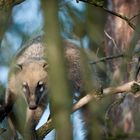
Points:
x=29 y=77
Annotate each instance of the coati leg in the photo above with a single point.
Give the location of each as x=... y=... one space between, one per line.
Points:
x=10 y=100
x=32 y=119
x=5 y=111
x=25 y=127
x=12 y=126
x=7 y=107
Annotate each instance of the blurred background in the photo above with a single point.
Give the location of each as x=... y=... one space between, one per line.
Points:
x=98 y=32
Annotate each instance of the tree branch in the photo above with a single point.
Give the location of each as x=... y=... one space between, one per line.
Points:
x=132 y=86
x=127 y=87
x=103 y=59
x=5 y=14
x=113 y=41
x=107 y=58
x=100 y=5
x=134 y=16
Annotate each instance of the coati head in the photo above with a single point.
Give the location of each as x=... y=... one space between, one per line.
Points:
x=33 y=76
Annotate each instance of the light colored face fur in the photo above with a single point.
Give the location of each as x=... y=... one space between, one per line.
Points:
x=34 y=79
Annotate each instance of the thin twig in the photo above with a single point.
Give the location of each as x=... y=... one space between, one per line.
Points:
x=118 y=101
x=107 y=58
x=103 y=59
x=134 y=16
x=115 y=45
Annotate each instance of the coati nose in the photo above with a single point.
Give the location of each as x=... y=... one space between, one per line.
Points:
x=32 y=105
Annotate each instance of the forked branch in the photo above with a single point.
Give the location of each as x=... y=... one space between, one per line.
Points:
x=132 y=87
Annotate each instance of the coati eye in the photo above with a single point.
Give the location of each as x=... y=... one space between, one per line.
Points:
x=41 y=89
x=24 y=86
x=24 y=89
x=40 y=86
x=40 y=83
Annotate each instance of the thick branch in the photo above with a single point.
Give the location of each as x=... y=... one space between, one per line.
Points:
x=132 y=86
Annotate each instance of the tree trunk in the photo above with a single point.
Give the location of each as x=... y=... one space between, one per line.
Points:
x=118 y=35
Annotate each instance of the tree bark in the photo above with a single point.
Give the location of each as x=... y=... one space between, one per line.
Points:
x=121 y=33
x=117 y=40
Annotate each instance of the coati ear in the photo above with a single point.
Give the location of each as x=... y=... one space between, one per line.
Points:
x=45 y=65
x=19 y=66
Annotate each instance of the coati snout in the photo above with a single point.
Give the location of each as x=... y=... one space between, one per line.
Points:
x=33 y=97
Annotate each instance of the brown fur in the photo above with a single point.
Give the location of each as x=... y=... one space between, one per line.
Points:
x=30 y=61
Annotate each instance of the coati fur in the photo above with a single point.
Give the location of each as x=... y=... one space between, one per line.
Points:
x=29 y=77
